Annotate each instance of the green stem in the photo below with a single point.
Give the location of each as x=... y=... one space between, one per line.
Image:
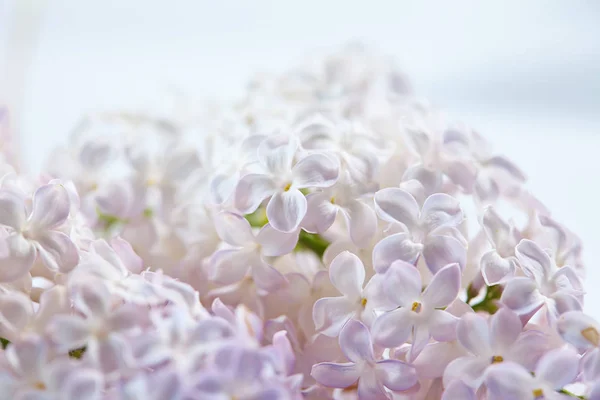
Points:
x=312 y=242
x=564 y=391
x=488 y=304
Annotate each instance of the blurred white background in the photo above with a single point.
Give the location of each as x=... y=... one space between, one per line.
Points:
x=526 y=74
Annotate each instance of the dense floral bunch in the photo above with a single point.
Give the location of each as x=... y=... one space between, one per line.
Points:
x=328 y=236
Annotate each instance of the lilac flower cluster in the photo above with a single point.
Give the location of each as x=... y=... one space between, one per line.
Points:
x=328 y=236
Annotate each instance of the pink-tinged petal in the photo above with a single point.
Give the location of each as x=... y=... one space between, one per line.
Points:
x=505 y=327
x=370 y=387
x=251 y=190
x=57 y=251
x=320 y=213
x=92 y=299
x=457 y=390
x=355 y=342
x=594 y=393
x=435 y=357
x=266 y=277
x=397 y=205
x=564 y=301
x=469 y=369
x=124 y=319
x=275 y=243
x=461 y=173
x=442 y=326
x=127 y=255
x=534 y=261
x=392 y=248
x=393 y=328
x=509 y=381
x=233 y=229
x=440 y=251
x=362 y=222
x=276 y=153
x=12 y=210
x=28 y=357
x=503 y=164
x=579 y=329
x=567 y=278
x=420 y=339
x=496 y=269
x=336 y=375
x=402 y=284
x=431 y=180
x=521 y=295
x=16 y=258
x=68 y=332
x=330 y=314
x=590 y=365
x=440 y=210
x=558 y=367
x=528 y=348
x=443 y=288
x=396 y=375
x=50 y=207
x=16 y=311
x=86 y=384
x=347 y=274
x=230 y=266
x=286 y=210
x=473 y=333
x=315 y=170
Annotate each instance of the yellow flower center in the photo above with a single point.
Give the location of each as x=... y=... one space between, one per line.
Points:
x=497 y=359
x=40 y=386
x=363 y=302
x=591 y=335
x=538 y=393
x=287 y=187
x=416 y=307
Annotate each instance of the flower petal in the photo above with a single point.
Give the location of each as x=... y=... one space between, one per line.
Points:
x=396 y=375
x=443 y=288
x=275 y=243
x=496 y=229
x=28 y=357
x=12 y=209
x=509 y=381
x=505 y=327
x=402 y=284
x=86 y=384
x=362 y=222
x=521 y=295
x=440 y=251
x=458 y=390
x=233 y=229
x=579 y=329
x=93 y=299
x=496 y=269
x=558 y=367
x=286 y=210
x=440 y=210
x=315 y=170
x=355 y=342
x=251 y=190
x=392 y=248
x=473 y=333
x=331 y=313
x=469 y=370
x=347 y=274
x=51 y=206
x=58 y=252
x=68 y=332
x=16 y=258
x=276 y=153
x=266 y=277
x=369 y=386
x=230 y=266
x=336 y=375
x=397 y=205
x=320 y=213
x=393 y=328
x=534 y=261
x=442 y=325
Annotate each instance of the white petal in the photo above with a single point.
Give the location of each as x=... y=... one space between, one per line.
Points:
x=58 y=251
x=233 y=229
x=440 y=251
x=362 y=222
x=397 y=205
x=496 y=230
x=320 y=214
x=276 y=243
x=355 y=342
x=251 y=190
x=396 y=375
x=68 y=332
x=93 y=299
x=28 y=356
x=12 y=209
x=276 y=154
x=521 y=295
x=393 y=328
x=336 y=375
x=369 y=386
x=458 y=390
x=505 y=327
x=181 y=163
x=442 y=326
x=16 y=258
x=266 y=277
x=402 y=284
x=469 y=370
x=558 y=367
x=535 y=262
x=330 y=314
x=230 y=266
x=509 y=381
x=443 y=288
x=395 y=247
x=347 y=274
x=286 y=210
x=86 y=384
x=579 y=329
x=50 y=208
x=496 y=269
x=474 y=334
x=440 y=210
x=315 y=170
